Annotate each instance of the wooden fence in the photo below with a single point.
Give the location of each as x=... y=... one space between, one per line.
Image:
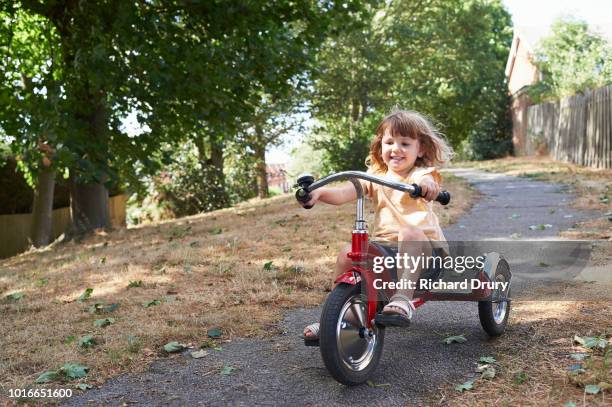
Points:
x=576 y=129
x=15 y=229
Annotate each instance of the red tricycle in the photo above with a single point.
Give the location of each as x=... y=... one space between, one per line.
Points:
x=350 y=338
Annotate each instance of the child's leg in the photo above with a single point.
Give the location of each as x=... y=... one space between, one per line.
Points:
x=412 y=244
x=343 y=263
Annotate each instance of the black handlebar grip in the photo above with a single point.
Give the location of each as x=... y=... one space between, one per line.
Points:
x=443 y=197
x=302 y=196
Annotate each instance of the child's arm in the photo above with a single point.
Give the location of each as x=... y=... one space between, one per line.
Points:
x=339 y=195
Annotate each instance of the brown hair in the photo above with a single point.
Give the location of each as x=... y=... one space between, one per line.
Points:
x=406 y=123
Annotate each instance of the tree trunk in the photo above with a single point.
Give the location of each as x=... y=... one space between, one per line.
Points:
x=89 y=207
x=42 y=208
x=216 y=163
x=260 y=171
x=89 y=203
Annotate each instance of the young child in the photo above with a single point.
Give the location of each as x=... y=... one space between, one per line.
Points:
x=406 y=148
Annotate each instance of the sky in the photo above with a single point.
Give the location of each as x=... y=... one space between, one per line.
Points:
x=525 y=13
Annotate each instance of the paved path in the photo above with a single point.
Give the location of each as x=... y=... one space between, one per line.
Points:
x=281 y=371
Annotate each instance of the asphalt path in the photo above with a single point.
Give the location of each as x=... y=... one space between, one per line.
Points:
x=279 y=370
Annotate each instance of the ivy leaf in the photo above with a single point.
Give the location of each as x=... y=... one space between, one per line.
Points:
x=101 y=323
x=592 y=389
x=74 y=370
x=47 y=377
x=86 y=294
x=214 y=333
x=469 y=385
x=16 y=296
x=455 y=339
x=227 y=370
x=172 y=347
x=487 y=359
x=87 y=341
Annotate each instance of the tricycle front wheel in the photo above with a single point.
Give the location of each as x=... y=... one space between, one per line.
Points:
x=350 y=351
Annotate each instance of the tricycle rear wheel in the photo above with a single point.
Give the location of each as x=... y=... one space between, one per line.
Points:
x=349 y=350
x=494 y=314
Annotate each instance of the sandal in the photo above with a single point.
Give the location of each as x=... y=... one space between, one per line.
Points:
x=393 y=317
x=312 y=340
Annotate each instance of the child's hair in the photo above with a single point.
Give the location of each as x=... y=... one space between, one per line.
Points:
x=411 y=124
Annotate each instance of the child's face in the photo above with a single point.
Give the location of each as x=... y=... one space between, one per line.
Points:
x=400 y=153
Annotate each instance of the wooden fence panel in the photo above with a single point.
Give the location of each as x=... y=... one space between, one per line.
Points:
x=15 y=229
x=575 y=129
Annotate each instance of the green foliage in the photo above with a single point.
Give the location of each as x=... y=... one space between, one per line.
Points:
x=571 y=59
x=491 y=136
x=442 y=58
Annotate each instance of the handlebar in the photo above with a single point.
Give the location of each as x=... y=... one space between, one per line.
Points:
x=306 y=185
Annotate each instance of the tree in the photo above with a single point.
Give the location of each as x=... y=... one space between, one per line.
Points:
x=571 y=60
x=441 y=58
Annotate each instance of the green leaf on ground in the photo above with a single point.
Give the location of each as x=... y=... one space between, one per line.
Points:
x=151 y=303
x=135 y=284
x=74 y=370
x=87 y=341
x=214 y=333
x=469 y=385
x=101 y=323
x=592 y=389
x=285 y=249
x=516 y=236
x=371 y=383
x=41 y=283
x=488 y=373
x=86 y=294
x=455 y=339
x=69 y=339
x=96 y=308
x=83 y=386
x=16 y=296
x=579 y=356
x=487 y=359
x=197 y=354
x=172 y=347
x=591 y=342
x=227 y=370
x=215 y=231
x=47 y=377
x=575 y=368
x=569 y=404
x=515 y=216
x=111 y=307
x=268 y=266
x=541 y=226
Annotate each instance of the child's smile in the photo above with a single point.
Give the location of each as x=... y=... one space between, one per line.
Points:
x=400 y=153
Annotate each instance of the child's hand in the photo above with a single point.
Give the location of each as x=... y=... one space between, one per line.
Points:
x=314 y=198
x=429 y=189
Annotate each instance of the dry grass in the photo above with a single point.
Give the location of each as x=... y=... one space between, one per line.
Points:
x=533 y=356
x=210 y=270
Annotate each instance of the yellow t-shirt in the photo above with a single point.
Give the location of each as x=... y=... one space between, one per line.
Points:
x=394 y=209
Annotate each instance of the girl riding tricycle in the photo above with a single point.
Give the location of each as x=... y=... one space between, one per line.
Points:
x=402 y=181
